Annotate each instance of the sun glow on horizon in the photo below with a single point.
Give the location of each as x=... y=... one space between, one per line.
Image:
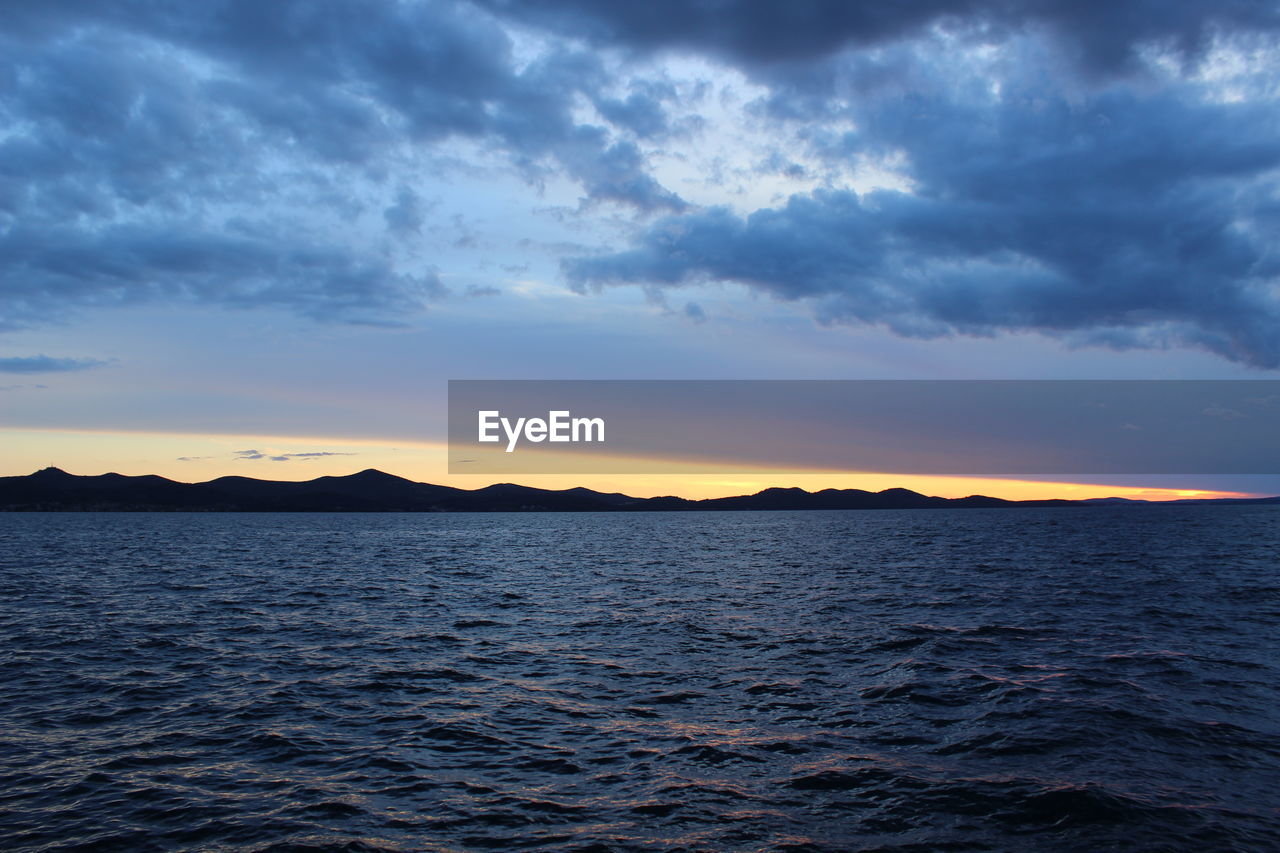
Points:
x=198 y=458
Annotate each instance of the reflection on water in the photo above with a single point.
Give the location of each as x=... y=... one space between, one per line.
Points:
x=1075 y=679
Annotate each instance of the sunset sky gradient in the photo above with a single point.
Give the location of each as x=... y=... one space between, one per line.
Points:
x=281 y=227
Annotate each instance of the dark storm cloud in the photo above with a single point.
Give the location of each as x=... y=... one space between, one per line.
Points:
x=1121 y=221
x=46 y=364
x=140 y=133
x=341 y=78
x=45 y=270
x=1109 y=214
x=219 y=153
x=1104 y=36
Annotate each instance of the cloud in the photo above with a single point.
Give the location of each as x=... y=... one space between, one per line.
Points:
x=46 y=270
x=253 y=455
x=46 y=364
x=1104 y=173
x=317 y=453
x=642 y=111
x=222 y=152
x=1101 y=37
x=406 y=215
x=1118 y=217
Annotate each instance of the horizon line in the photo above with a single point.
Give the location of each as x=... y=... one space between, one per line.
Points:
x=1175 y=498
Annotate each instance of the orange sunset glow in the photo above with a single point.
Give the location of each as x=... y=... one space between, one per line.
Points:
x=195 y=458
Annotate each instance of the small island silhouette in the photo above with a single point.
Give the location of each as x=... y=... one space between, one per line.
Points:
x=52 y=489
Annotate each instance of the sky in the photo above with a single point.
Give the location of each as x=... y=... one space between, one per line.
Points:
x=259 y=238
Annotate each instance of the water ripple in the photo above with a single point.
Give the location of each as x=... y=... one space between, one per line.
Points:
x=947 y=680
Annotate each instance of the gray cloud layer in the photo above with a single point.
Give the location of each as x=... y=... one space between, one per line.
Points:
x=1103 y=37
x=174 y=150
x=1132 y=222
x=1082 y=184
x=1128 y=213
x=46 y=364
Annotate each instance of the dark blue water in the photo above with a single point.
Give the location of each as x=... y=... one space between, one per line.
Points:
x=1073 y=679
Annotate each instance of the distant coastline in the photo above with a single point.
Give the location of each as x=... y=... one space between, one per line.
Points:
x=55 y=490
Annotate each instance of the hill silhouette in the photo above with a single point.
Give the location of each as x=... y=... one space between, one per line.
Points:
x=52 y=489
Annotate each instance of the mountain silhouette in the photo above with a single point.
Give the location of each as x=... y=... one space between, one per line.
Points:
x=52 y=489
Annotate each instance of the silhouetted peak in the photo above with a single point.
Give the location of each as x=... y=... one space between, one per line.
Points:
x=52 y=473
x=373 y=475
x=901 y=492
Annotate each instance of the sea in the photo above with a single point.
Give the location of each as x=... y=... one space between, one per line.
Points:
x=1098 y=678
